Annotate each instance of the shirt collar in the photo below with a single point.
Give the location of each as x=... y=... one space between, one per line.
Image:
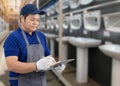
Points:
x=27 y=32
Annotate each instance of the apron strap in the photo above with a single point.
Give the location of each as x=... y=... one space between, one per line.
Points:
x=38 y=38
x=25 y=37
x=27 y=40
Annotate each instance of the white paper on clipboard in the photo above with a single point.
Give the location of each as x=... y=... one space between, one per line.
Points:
x=60 y=63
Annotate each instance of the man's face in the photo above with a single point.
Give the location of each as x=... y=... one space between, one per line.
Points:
x=31 y=22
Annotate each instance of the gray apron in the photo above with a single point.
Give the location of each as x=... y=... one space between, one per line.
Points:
x=34 y=53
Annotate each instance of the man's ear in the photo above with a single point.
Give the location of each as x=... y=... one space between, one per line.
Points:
x=21 y=18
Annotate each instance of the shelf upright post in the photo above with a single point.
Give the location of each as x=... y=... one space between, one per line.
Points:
x=60 y=19
x=37 y=3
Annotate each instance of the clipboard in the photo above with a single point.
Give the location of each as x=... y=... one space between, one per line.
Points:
x=60 y=63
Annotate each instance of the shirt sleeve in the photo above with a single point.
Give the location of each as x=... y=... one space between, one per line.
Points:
x=10 y=46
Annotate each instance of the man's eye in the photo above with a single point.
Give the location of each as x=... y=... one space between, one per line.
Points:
x=38 y=20
x=31 y=19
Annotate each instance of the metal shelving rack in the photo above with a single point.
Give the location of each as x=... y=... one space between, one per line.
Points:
x=87 y=8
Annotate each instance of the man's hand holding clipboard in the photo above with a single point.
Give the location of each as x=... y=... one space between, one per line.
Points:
x=60 y=65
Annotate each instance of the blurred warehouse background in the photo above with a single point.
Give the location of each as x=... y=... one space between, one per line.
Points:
x=85 y=30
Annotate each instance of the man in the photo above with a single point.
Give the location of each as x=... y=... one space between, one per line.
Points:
x=26 y=51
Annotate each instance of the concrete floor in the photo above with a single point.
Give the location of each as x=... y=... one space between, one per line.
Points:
x=52 y=80
x=4 y=80
x=69 y=74
x=71 y=78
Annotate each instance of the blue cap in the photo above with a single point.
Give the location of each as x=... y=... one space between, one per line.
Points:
x=31 y=9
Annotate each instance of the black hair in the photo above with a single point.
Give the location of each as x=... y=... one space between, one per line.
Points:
x=25 y=16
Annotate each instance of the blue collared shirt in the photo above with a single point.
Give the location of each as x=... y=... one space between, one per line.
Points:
x=15 y=45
